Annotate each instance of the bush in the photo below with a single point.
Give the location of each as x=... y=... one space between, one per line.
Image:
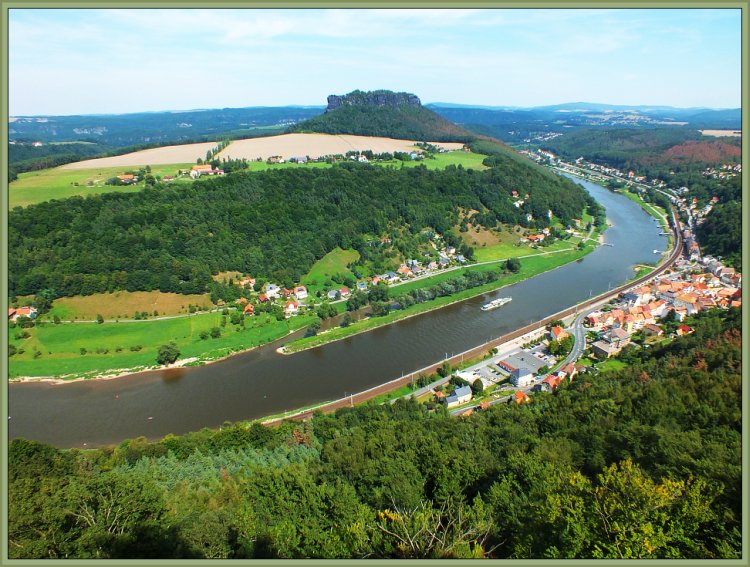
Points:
x=203 y=335
x=215 y=332
x=99 y=319
x=167 y=354
x=136 y=348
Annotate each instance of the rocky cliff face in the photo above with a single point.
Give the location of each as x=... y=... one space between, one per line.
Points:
x=372 y=98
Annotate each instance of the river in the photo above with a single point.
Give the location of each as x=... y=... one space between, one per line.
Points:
x=262 y=382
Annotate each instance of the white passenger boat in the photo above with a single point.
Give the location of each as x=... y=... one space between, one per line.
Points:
x=495 y=303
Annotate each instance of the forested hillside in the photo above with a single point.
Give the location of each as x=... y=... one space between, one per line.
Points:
x=386 y=114
x=272 y=224
x=639 y=463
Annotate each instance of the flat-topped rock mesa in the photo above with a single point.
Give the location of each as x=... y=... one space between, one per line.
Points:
x=379 y=98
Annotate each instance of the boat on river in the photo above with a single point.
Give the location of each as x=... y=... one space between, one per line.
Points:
x=495 y=303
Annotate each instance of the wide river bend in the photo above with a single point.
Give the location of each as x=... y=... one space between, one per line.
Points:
x=261 y=382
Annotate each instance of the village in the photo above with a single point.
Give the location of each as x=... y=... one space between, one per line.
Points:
x=652 y=313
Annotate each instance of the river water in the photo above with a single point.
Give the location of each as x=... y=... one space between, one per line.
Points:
x=262 y=382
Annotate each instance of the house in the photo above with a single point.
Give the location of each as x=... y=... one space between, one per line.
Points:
x=249 y=309
x=521 y=398
x=204 y=169
x=344 y=291
x=14 y=314
x=683 y=330
x=550 y=383
x=334 y=295
x=603 y=349
x=127 y=178
x=405 y=271
x=376 y=280
x=361 y=286
x=618 y=337
x=286 y=292
x=460 y=258
x=459 y=396
x=521 y=377
x=653 y=330
x=272 y=291
x=570 y=370
x=263 y=298
x=291 y=308
x=558 y=333
x=300 y=291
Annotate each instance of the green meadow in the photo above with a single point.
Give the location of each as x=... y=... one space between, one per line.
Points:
x=335 y=262
x=58 y=183
x=107 y=346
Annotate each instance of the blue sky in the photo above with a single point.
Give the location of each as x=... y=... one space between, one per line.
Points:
x=122 y=60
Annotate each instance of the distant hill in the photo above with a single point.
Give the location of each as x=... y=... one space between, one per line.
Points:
x=383 y=113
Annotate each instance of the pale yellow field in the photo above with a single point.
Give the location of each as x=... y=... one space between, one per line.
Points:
x=187 y=153
x=720 y=133
x=286 y=145
x=317 y=145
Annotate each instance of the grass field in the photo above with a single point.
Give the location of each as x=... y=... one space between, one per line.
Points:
x=333 y=263
x=60 y=345
x=123 y=305
x=58 y=183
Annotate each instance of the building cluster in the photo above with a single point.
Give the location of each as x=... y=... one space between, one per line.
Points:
x=724 y=171
x=704 y=285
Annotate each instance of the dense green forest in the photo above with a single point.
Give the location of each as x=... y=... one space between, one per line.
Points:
x=273 y=224
x=401 y=122
x=721 y=233
x=644 y=462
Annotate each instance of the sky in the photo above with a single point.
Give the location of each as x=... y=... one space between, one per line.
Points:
x=97 y=61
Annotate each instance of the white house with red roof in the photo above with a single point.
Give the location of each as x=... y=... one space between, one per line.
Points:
x=291 y=308
x=300 y=292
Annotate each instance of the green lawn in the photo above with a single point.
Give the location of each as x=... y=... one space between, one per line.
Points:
x=60 y=344
x=335 y=262
x=610 y=364
x=57 y=183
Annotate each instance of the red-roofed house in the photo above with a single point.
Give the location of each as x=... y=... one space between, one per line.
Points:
x=249 y=309
x=14 y=314
x=683 y=330
x=291 y=308
x=521 y=398
x=558 y=333
x=300 y=291
x=263 y=298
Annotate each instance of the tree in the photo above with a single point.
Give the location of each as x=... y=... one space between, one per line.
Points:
x=477 y=387
x=99 y=319
x=346 y=320
x=513 y=265
x=445 y=369
x=313 y=329
x=215 y=332
x=167 y=354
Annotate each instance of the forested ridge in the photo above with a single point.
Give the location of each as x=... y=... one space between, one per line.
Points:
x=401 y=121
x=642 y=462
x=272 y=224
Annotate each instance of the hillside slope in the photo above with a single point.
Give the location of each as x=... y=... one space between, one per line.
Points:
x=383 y=113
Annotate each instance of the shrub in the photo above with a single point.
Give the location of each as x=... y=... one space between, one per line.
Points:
x=167 y=354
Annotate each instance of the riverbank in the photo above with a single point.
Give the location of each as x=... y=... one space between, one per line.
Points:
x=530 y=267
x=190 y=358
